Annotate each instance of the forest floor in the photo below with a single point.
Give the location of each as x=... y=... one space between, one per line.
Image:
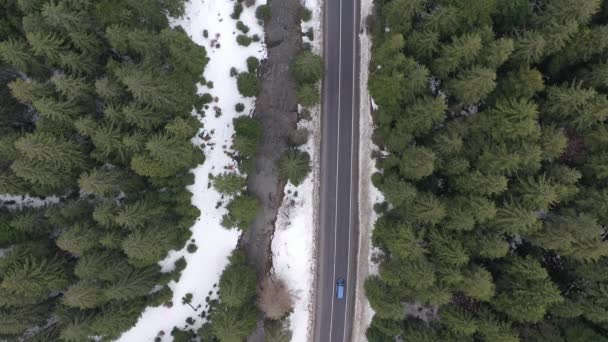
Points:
x=209 y=24
x=368 y=194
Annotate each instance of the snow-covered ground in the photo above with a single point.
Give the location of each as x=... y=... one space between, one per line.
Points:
x=294 y=241
x=20 y=201
x=368 y=194
x=213 y=241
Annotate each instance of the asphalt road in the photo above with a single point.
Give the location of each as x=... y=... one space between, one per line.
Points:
x=338 y=234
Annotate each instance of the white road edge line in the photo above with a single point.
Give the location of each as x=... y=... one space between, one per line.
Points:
x=352 y=134
x=333 y=284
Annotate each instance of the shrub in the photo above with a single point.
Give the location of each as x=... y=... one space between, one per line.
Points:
x=243 y=40
x=191 y=248
x=247 y=136
x=294 y=166
x=274 y=298
x=263 y=12
x=255 y=38
x=298 y=137
x=305 y=14
x=310 y=34
x=242 y=27
x=247 y=83
x=308 y=95
x=308 y=67
x=241 y=212
x=229 y=183
x=252 y=64
x=236 y=11
x=239 y=107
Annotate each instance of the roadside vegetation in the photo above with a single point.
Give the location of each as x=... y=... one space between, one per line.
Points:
x=493 y=116
x=96 y=100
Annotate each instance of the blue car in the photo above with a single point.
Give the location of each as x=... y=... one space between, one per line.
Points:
x=340 y=288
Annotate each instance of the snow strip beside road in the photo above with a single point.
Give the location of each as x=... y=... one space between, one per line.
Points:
x=368 y=194
x=294 y=241
x=213 y=241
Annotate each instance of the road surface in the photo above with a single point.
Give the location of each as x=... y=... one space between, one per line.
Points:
x=339 y=146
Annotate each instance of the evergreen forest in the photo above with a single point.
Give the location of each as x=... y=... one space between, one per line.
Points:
x=492 y=127
x=95 y=118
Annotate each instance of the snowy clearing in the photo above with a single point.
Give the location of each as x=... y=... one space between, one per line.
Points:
x=368 y=194
x=213 y=241
x=294 y=241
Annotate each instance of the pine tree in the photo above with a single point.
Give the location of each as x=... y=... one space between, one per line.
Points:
x=247 y=136
x=105 y=214
x=78 y=238
x=553 y=142
x=16 y=53
x=537 y=192
x=308 y=95
x=109 y=89
x=416 y=163
x=58 y=15
x=29 y=91
x=398 y=239
x=525 y=291
x=73 y=88
x=308 y=67
x=423 y=45
x=145 y=118
x=426 y=208
x=515 y=217
x=445 y=249
x=458 y=320
x=498 y=160
x=233 y=324
x=460 y=53
x=139 y=214
x=229 y=183
x=422 y=115
x=382 y=299
x=473 y=85
x=47 y=44
x=32 y=279
x=104 y=182
x=58 y=152
x=103 y=265
x=294 y=166
x=131 y=285
x=477 y=283
x=242 y=210
x=60 y=111
x=84 y=295
x=78 y=63
x=86 y=42
x=530 y=47
x=166 y=156
x=238 y=282
x=396 y=190
x=496 y=53
x=116 y=318
x=276 y=331
x=479 y=183
x=146 y=87
x=147 y=246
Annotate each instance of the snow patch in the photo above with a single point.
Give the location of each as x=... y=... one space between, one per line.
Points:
x=368 y=194
x=213 y=241
x=12 y=202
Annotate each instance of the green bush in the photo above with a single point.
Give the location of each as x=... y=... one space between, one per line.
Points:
x=243 y=40
x=241 y=212
x=263 y=13
x=247 y=136
x=294 y=166
x=242 y=27
x=247 y=84
x=308 y=67
x=239 y=107
x=298 y=137
x=236 y=11
x=252 y=64
x=308 y=95
x=305 y=14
